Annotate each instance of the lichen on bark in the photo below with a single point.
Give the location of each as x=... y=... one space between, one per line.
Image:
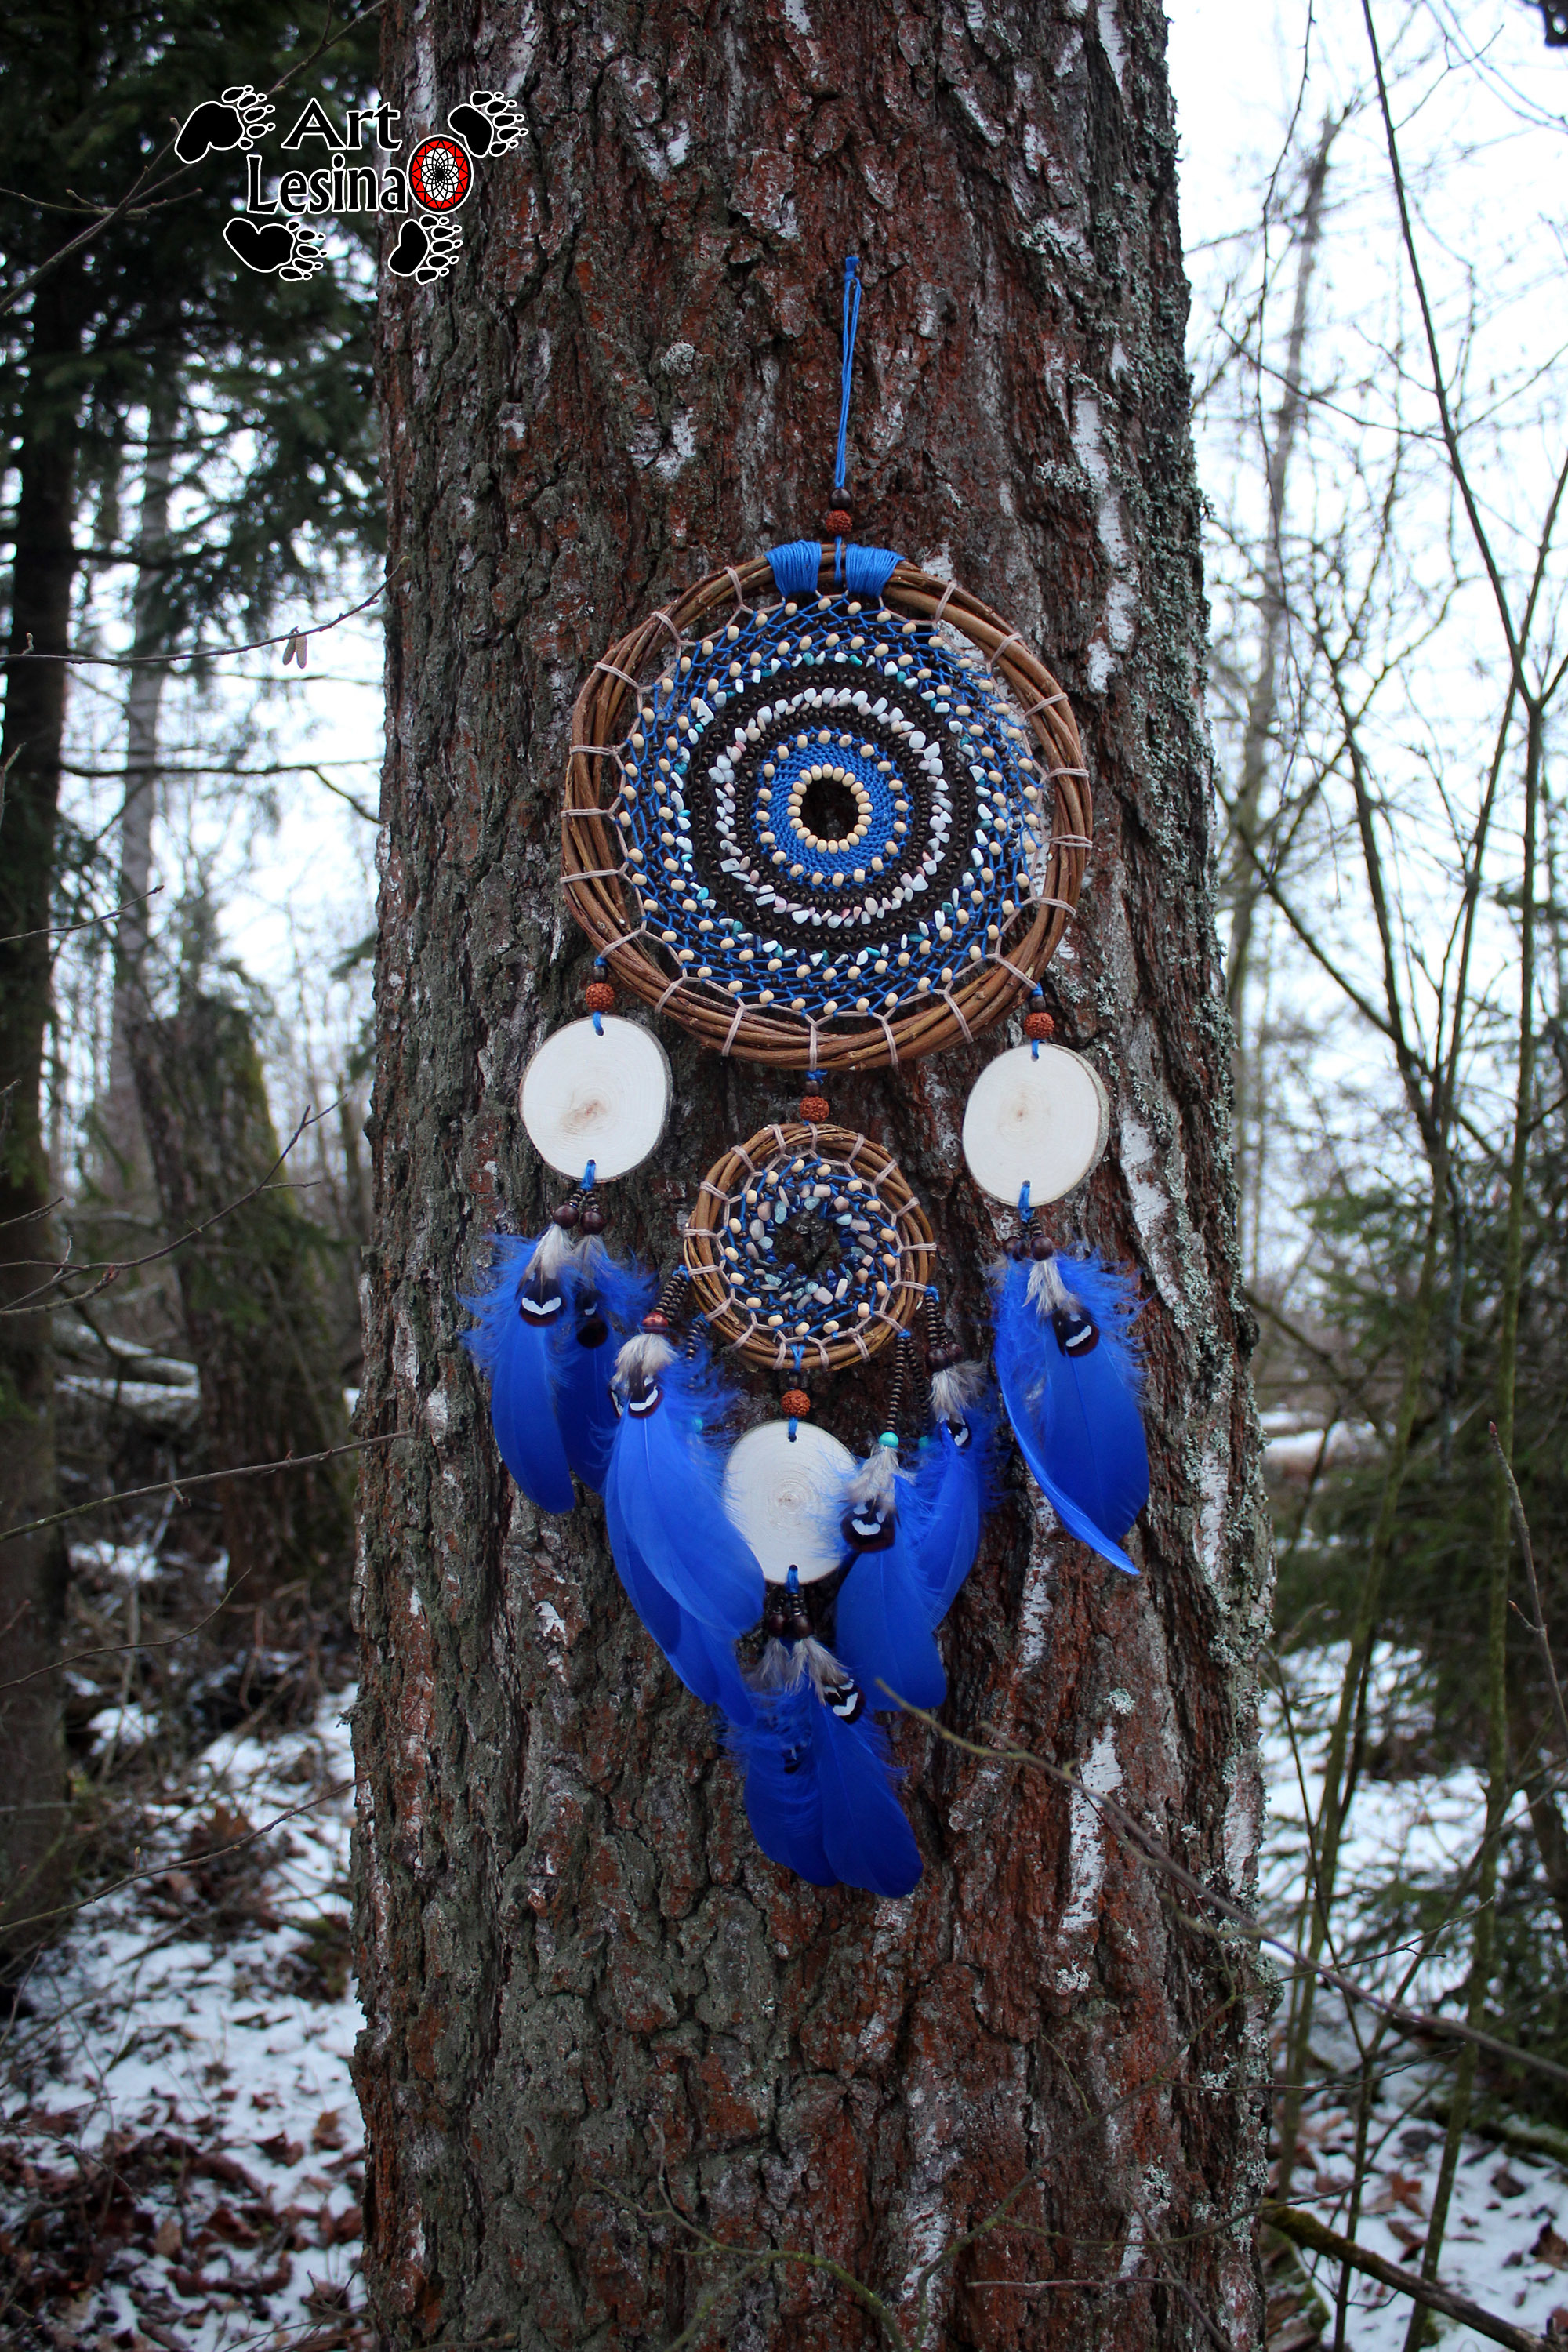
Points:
x=584 y=1986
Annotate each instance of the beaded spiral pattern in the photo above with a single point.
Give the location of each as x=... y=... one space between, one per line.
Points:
x=827 y=811
x=808 y=1248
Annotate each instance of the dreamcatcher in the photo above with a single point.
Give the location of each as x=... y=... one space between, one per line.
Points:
x=827 y=813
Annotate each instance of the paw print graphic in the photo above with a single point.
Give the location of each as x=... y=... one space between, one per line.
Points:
x=490 y=123
x=426 y=249
x=275 y=248
x=239 y=119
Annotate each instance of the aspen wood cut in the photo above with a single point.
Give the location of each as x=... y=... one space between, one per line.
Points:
x=584 y=1985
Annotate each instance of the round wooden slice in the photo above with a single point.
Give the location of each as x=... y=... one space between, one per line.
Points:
x=784 y=1498
x=1042 y=1123
x=598 y=1096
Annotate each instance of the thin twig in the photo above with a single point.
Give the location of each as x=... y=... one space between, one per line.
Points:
x=207 y=1478
x=1414 y=2025
x=210 y=653
x=60 y=931
x=1522 y=1528
x=1306 y=2229
x=161 y=1869
x=109 y=1269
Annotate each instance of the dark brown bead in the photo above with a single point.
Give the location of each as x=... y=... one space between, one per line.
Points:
x=1040 y=1247
x=566 y=1215
x=942 y=1358
x=594 y=1220
x=655 y=1321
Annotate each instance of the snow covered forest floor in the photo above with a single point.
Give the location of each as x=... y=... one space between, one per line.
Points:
x=182 y=2161
x=182 y=2167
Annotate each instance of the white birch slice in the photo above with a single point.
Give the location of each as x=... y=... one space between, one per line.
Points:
x=1042 y=1123
x=604 y=1098
x=784 y=1498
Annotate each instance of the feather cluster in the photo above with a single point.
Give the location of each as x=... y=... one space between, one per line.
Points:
x=577 y=1388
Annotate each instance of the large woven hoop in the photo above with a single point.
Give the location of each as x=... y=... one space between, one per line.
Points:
x=745 y=1333
x=599 y=890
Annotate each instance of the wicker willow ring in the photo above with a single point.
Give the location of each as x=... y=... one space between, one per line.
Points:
x=807 y=1248
x=833 y=832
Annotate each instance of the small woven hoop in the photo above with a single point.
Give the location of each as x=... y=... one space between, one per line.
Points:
x=592 y=858
x=705 y=1234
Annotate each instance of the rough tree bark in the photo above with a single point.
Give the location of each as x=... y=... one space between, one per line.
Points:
x=33 y=1569
x=584 y=1986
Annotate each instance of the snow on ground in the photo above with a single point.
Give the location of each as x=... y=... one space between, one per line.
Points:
x=1505 y=2242
x=188 y=2128
x=182 y=2118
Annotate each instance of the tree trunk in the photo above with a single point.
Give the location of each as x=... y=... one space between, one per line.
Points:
x=128 y=1167
x=33 y=1818
x=253 y=1298
x=586 y=1990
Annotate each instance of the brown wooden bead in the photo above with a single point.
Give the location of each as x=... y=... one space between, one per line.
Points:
x=795 y=1404
x=566 y=1215
x=1041 y=1247
x=593 y=1217
x=838 y=521
x=1038 y=1025
x=814 y=1110
x=599 y=996
x=654 y=1321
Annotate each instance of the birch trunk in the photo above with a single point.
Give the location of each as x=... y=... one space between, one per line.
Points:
x=584 y=1988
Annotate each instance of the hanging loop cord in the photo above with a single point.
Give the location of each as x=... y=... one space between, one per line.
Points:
x=845 y=387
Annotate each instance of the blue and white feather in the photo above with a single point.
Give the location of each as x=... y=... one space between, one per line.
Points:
x=1069 y=1376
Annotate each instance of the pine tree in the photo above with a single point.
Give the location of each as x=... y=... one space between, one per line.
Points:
x=103 y=312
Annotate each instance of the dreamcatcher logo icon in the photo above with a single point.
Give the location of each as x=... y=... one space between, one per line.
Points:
x=439 y=174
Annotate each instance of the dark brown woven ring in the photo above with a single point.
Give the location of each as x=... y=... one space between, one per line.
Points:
x=593 y=867
x=747 y=1335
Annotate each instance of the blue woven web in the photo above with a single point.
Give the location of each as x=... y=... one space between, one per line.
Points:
x=916 y=741
x=810 y=1249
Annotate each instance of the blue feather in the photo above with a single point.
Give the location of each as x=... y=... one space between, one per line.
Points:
x=1074 y=1410
x=951 y=1502
x=516 y=1352
x=883 y=1622
x=865 y=1837
x=703 y=1660
x=663 y=1480
x=605 y=1299
x=783 y=1802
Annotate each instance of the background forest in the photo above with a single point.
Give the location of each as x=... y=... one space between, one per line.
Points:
x=1375 y=234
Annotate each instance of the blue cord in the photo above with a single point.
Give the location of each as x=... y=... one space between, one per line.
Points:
x=851 y=322
x=1024 y=1199
x=588 y=1177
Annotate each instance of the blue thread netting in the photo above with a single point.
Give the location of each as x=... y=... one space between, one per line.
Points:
x=843 y=1240
x=830 y=811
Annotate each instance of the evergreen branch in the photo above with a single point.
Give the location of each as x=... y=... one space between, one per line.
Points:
x=144 y=184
